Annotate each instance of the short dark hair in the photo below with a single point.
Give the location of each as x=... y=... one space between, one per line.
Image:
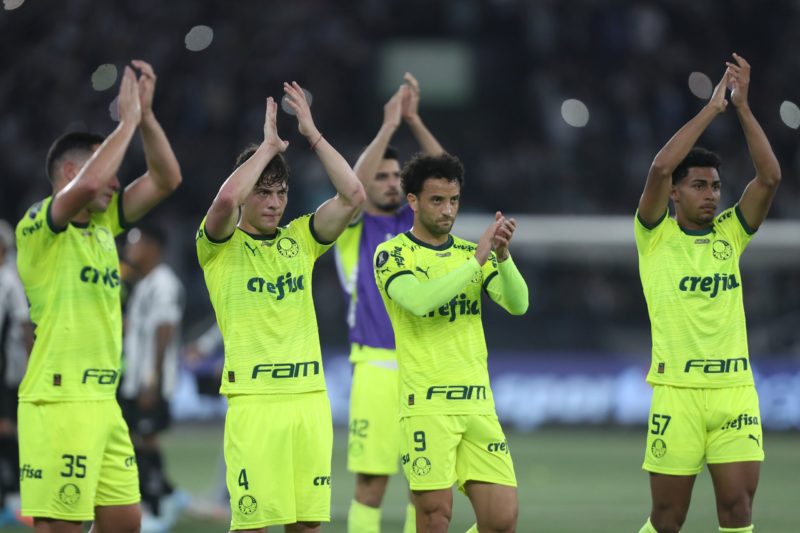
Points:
x=276 y=171
x=697 y=157
x=422 y=167
x=76 y=140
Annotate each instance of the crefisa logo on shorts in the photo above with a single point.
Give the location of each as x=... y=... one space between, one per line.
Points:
x=421 y=466
x=658 y=448
x=247 y=504
x=69 y=494
x=29 y=472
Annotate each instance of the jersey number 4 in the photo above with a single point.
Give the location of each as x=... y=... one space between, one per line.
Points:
x=243 y=479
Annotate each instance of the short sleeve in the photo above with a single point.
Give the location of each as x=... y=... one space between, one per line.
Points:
x=731 y=226
x=314 y=244
x=168 y=301
x=35 y=234
x=208 y=248
x=114 y=216
x=649 y=237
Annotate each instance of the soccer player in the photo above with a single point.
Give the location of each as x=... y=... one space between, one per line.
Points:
x=278 y=430
x=151 y=345
x=374 y=442
x=431 y=284
x=71 y=432
x=704 y=403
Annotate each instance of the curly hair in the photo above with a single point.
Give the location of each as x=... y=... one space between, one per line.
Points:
x=422 y=167
x=276 y=171
x=697 y=157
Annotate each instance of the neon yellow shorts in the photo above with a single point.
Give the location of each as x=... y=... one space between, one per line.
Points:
x=440 y=450
x=73 y=457
x=374 y=443
x=688 y=426
x=278 y=455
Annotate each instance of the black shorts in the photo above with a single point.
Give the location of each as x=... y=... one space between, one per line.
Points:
x=145 y=422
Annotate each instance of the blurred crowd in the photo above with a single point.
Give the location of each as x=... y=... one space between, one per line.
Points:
x=629 y=62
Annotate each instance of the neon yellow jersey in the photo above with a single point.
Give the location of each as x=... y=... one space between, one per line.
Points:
x=260 y=287
x=693 y=288
x=71 y=278
x=441 y=355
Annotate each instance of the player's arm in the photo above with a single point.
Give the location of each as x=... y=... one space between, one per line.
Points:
x=163 y=173
x=655 y=198
x=507 y=288
x=224 y=211
x=420 y=297
x=427 y=141
x=368 y=162
x=757 y=197
x=333 y=215
x=101 y=168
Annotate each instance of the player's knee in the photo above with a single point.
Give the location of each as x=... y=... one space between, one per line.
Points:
x=435 y=519
x=304 y=527
x=736 y=508
x=668 y=522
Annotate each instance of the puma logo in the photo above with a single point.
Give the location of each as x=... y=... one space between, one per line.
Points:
x=418 y=269
x=253 y=250
x=757 y=439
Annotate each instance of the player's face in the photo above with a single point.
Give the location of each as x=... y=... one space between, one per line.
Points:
x=264 y=207
x=384 y=193
x=696 y=196
x=436 y=206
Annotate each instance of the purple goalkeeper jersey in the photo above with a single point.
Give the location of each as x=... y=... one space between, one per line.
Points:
x=366 y=317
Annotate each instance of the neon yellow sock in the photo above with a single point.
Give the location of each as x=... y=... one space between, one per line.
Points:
x=363 y=518
x=411 y=519
x=648 y=527
x=473 y=529
x=746 y=529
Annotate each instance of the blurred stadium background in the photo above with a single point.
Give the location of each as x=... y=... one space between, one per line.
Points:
x=556 y=109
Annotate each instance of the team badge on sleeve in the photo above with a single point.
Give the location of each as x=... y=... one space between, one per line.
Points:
x=381 y=259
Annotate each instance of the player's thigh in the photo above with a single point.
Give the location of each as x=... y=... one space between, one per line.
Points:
x=496 y=506
x=374 y=438
x=676 y=431
x=483 y=454
x=429 y=444
x=735 y=435
x=118 y=486
x=313 y=448
x=61 y=452
x=117 y=519
x=276 y=472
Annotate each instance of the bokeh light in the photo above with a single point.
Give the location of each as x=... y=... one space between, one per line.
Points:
x=104 y=77
x=113 y=109
x=700 y=85
x=289 y=110
x=575 y=113
x=199 y=38
x=9 y=5
x=790 y=114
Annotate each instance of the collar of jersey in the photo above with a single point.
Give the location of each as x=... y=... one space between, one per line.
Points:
x=704 y=231
x=444 y=246
x=258 y=236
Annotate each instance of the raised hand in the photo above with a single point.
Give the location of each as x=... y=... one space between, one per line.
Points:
x=296 y=99
x=147 y=85
x=718 y=101
x=129 y=106
x=738 y=80
x=271 y=136
x=411 y=97
x=392 y=110
x=502 y=237
x=485 y=243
